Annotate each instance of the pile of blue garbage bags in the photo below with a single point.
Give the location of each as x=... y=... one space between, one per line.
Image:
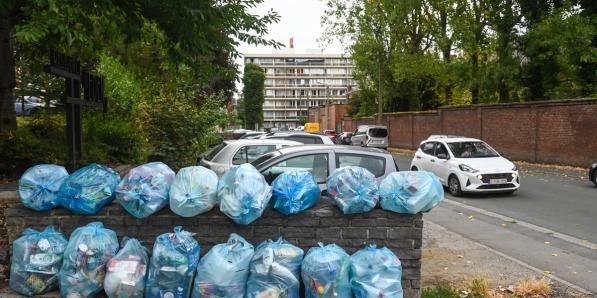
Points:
x=242 y=193
x=92 y=261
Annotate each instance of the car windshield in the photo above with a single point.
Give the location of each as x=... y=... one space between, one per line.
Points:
x=471 y=150
x=378 y=132
x=211 y=152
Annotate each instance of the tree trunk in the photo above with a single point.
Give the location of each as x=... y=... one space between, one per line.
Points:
x=475 y=82
x=8 y=118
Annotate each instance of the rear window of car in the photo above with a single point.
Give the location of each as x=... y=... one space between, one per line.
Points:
x=213 y=151
x=375 y=164
x=428 y=147
x=378 y=132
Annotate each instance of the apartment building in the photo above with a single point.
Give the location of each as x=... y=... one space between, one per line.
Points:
x=296 y=82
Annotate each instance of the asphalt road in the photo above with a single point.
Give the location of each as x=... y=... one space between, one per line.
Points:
x=549 y=224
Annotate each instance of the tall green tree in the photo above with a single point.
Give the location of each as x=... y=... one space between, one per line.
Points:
x=253 y=95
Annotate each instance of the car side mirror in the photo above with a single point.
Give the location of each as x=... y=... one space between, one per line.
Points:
x=442 y=156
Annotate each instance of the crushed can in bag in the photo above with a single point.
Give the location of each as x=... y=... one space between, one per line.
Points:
x=375 y=273
x=194 y=191
x=88 y=189
x=243 y=194
x=223 y=271
x=87 y=254
x=325 y=272
x=172 y=265
x=410 y=192
x=353 y=189
x=275 y=270
x=125 y=277
x=144 y=190
x=36 y=260
x=39 y=186
x=295 y=192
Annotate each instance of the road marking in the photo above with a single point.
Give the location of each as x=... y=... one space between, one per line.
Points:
x=567 y=238
x=522 y=263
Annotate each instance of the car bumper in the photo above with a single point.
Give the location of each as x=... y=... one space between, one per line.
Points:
x=377 y=145
x=489 y=182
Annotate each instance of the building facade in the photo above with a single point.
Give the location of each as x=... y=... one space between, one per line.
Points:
x=296 y=82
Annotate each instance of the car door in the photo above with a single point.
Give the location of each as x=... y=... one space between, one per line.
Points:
x=316 y=163
x=425 y=156
x=441 y=167
x=359 y=137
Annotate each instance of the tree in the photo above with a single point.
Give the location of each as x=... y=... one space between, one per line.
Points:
x=253 y=95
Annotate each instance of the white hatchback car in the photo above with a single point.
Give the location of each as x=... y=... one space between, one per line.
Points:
x=466 y=165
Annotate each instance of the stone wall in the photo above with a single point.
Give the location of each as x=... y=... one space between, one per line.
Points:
x=323 y=223
x=557 y=132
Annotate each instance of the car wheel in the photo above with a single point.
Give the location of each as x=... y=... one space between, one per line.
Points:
x=454 y=186
x=594 y=178
x=414 y=168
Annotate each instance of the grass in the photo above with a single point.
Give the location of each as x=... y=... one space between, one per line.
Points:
x=480 y=288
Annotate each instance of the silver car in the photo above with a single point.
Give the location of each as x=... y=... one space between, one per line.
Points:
x=235 y=152
x=371 y=136
x=299 y=136
x=322 y=160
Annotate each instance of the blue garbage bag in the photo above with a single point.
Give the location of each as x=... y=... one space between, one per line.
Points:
x=36 y=260
x=193 y=191
x=87 y=254
x=353 y=189
x=375 y=273
x=144 y=190
x=39 y=186
x=295 y=192
x=243 y=194
x=325 y=272
x=275 y=270
x=410 y=192
x=88 y=189
x=223 y=271
x=172 y=265
x=127 y=270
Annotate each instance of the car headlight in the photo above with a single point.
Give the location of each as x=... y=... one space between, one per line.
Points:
x=514 y=168
x=467 y=169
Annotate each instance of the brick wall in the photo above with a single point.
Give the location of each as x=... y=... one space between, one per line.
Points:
x=325 y=223
x=557 y=132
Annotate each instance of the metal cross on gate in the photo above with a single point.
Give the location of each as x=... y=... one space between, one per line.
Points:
x=93 y=96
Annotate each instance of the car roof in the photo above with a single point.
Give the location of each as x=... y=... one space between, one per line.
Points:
x=373 y=126
x=293 y=132
x=243 y=142
x=310 y=147
x=450 y=139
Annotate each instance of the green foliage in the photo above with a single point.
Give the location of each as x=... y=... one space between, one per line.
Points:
x=302 y=120
x=253 y=95
x=434 y=52
x=442 y=291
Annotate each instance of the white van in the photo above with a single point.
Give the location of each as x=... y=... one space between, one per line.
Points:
x=371 y=136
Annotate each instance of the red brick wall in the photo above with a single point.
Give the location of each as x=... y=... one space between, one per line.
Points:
x=559 y=132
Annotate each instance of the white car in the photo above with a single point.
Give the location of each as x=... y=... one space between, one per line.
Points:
x=466 y=165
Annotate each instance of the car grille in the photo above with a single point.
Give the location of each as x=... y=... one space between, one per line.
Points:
x=496 y=186
x=488 y=177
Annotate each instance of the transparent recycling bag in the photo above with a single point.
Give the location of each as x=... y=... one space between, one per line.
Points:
x=172 y=265
x=144 y=190
x=36 y=260
x=193 y=191
x=39 y=186
x=295 y=192
x=243 y=194
x=125 y=277
x=275 y=270
x=410 y=192
x=375 y=273
x=325 y=272
x=88 y=189
x=87 y=254
x=223 y=271
x=353 y=189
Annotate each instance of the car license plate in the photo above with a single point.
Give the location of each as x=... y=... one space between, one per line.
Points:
x=497 y=181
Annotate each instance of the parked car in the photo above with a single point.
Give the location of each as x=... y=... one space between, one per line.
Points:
x=299 y=136
x=28 y=105
x=252 y=135
x=330 y=133
x=235 y=152
x=322 y=160
x=466 y=165
x=344 y=138
x=593 y=173
x=371 y=136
